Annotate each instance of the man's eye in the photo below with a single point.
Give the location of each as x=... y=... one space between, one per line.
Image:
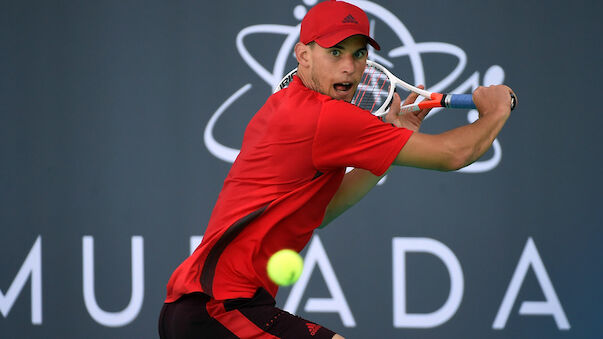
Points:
x=360 y=54
x=335 y=52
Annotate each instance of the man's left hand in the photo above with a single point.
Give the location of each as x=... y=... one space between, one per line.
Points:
x=408 y=120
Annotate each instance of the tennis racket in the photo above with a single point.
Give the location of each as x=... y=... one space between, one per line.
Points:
x=376 y=91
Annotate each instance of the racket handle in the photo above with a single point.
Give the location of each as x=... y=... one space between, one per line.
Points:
x=466 y=101
x=459 y=101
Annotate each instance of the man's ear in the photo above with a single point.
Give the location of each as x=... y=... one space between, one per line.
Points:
x=302 y=54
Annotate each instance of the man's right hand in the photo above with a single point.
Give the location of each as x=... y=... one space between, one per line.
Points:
x=459 y=147
x=495 y=99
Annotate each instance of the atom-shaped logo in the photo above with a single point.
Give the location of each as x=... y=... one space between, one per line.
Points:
x=407 y=50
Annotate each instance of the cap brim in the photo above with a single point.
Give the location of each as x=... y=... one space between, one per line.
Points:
x=332 y=39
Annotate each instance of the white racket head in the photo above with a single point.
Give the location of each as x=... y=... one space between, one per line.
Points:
x=375 y=91
x=378 y=82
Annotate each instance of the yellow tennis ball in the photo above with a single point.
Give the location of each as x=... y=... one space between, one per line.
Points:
x=284 y=267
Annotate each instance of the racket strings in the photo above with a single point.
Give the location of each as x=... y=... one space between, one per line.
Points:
x=363 y=88
x=373 y=90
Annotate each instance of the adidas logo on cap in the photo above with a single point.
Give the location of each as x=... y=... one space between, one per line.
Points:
x=349 y=20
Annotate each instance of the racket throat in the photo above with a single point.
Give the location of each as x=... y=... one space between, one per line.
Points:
x=444 y=99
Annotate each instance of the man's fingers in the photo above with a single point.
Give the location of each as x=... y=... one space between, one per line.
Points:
x=423 y=113
x=412 y=96
x=396 y=99
x=394 y=108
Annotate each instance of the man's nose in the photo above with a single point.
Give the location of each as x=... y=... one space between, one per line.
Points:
x=347 y=64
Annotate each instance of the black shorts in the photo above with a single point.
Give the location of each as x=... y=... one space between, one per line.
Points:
x=196 y=315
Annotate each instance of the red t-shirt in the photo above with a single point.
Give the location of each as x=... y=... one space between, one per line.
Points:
x=293 y=159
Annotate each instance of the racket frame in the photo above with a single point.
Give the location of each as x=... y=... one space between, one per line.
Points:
x=433 y=99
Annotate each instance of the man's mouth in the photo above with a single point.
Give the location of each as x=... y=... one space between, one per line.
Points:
x=343 y=90
x=342 y=86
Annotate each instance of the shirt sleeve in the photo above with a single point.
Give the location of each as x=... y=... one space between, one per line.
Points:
x=347 y=135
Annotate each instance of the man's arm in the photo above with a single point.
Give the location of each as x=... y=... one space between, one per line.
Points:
x=459 y=147
x=447 y=151
x=358 y=182
x=355 y=185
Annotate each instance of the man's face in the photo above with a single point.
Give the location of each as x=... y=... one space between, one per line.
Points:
x=336 y=71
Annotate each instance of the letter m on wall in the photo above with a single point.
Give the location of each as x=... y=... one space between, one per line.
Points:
x=31 y=268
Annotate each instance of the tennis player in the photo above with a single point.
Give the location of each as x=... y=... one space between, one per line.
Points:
x=289 y=179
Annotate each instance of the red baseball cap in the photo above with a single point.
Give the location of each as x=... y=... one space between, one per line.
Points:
x=332 y=21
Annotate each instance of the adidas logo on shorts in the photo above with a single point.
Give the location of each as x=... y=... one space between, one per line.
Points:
x=313 y=328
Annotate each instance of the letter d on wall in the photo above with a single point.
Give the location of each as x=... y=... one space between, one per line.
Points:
x=400 y=247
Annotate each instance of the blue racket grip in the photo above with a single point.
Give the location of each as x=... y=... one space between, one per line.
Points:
x=460 y=101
